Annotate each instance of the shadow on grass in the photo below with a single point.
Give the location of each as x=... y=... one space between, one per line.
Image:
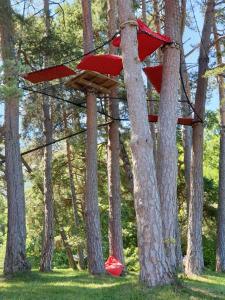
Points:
x=81 y=286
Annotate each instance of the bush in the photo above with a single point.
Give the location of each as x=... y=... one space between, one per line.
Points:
x=131 y=259
x=209 y=252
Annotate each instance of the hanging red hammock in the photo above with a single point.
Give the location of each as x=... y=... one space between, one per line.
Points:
x=154 y=75
x=148 y=40
x=113 y=266
x=181 y=121
x=104 y=63
x=48 y=74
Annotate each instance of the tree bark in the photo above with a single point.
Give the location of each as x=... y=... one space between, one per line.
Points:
x=151 y=106
x=167 y=150
x=73 y=194
x=15 y=258
x=48 y=234
x=113 y=163
x=153 y=268
x=187 y=130
x=93 y=229
x=220 y=249
x=127 y=166
x=157 y=23
x=195 y=262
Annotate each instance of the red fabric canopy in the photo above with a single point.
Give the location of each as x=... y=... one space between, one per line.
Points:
x=154 y=75
x=148 y=40
x=104 y=63
x=48 y=74
x=113 y=266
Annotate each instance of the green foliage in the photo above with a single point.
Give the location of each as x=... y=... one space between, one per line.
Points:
x=131 y=259
x=3 y=219
x=215 y=72
x=209 y=251
x=9 y=87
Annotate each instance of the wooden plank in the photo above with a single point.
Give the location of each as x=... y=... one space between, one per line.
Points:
x=90 y=84
x=91 y=79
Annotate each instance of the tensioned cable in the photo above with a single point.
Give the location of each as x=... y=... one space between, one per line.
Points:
x=188 y=100
x=85 y=54
x=71 y=102
x=181 y=77
x=100 y=47
x=58 y=140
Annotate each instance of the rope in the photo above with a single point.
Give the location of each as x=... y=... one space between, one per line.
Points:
x=188 y=100
x=58 y=140
x=129 y=22
x=83 y=55
x=73 y=103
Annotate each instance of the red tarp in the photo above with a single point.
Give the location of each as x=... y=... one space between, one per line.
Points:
x=113 y=266
x=180 y=121
x=104 y=63
x=148 y=40
x=48 y=74
x=154 y=75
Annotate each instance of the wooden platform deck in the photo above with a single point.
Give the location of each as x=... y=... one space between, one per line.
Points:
x=90 y=80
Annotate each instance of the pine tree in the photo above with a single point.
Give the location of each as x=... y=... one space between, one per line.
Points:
x=48 y=234
x=92 y=216
x=153 y=268
x=15 y=258
x=195 y=262
x=220 y=249
x=167 y=150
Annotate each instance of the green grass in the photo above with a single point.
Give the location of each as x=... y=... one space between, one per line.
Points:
x=67 y=284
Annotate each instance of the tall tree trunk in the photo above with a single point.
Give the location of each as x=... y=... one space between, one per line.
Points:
x=48 y=234
x=195 y=262
x=127 y=166
x=157 y=23
x=68 y=249
x=167 y=150
x=153 y=268
x=113 y=163
x=151 y=104
x=187 y=133
x=73 y=194
x=187 y=130
x=93 y=229
x=220 y=249
x=15 y=258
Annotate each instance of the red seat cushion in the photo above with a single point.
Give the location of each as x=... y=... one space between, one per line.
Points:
x=148 y=40
x=48 y=74
x=154 y=75
x=113 y=266
x=181 y=121
x=104 y=63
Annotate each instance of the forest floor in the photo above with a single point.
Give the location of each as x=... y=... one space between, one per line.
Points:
x=67 y=284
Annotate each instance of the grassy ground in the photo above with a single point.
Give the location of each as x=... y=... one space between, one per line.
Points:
x=67 y=284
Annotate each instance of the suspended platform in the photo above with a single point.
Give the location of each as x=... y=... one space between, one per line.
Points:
x=180 y=121
x=90 y=80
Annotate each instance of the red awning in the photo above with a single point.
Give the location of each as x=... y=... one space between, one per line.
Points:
x=154 y=75
x=104 y=63
x=181 y=121
x=148 y=40
x=48 y=74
